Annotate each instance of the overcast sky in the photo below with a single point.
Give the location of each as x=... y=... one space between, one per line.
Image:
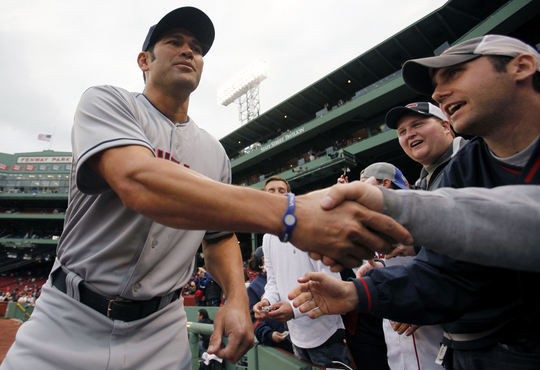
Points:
x=53 y=50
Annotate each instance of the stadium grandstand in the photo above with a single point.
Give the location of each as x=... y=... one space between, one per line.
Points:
x=33 y=199
x=334 y=126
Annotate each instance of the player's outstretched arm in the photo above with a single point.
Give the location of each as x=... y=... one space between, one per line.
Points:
x=322 y=294
x=224 y=263
x=179 y=197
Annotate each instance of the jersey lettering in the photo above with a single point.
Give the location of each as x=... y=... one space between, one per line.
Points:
x=166 y=155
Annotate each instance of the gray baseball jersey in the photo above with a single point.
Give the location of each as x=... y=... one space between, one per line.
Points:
x=118 y=252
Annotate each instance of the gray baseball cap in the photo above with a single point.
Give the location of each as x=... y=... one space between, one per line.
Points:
x=188 y=17
x=420 y=108
x=383 y=170
x=416 y=72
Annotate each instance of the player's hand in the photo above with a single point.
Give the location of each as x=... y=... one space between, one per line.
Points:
x=260 y=313
x=370 y=265
x=401 y=328
x=402 y=250
x=281 y=311
x=232 y=321
x=334 y=266
x=343 y=230
x=279 y=337
x=322 y=294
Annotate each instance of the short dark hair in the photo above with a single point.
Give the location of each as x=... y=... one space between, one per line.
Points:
x=203 y=313
x=500 y=62
x=392 y=185
x=254 y=264
x=277 y=178
x=152 y=56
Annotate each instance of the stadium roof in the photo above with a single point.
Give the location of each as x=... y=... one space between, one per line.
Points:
x=429 y=36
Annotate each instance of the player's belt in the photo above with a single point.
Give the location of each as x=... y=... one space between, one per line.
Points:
x=115 y=308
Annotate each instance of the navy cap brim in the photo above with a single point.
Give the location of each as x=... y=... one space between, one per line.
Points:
x=394 y=115
x=416 y=73
x=190 y=18
x=400 y=185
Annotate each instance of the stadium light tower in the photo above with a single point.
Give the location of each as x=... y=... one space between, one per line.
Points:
x=244 y=89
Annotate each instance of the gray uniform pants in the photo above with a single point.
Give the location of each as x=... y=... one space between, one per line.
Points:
x=63 y=333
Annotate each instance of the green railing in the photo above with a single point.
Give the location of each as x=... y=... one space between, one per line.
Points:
x=260 y=357
x=19 y=311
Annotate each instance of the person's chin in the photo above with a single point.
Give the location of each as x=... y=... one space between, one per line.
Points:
x=419 y=153
x=422 y=158
x=186 y=83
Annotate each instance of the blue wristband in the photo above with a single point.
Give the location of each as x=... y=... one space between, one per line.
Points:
x=289 y=219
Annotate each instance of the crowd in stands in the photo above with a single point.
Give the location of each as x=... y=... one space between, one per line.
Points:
x=204 y=288
x=297 y=162
x=29 y=234
x=206 y=292
x=46 y=190
x=37 y=231
x=343 y=138
x=21 y=289
x=33 y=211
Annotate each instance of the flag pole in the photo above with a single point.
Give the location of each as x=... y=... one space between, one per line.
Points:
x=52 y=137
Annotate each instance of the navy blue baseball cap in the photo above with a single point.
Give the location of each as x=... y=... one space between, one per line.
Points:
x=188 y=17
x=420 y=108
x=259 y=254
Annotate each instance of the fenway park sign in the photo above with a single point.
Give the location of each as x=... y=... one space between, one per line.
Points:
x=44 y=160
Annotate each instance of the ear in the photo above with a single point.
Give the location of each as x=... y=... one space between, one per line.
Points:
x=143 y=59
x=446 y=126
x=387 y=183
x=523 y=66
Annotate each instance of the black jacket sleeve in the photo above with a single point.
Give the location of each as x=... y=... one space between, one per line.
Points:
x=433 y=289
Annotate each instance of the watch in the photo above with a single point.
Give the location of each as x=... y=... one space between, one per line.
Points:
x=289 y=219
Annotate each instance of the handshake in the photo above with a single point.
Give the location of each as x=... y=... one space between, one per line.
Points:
x=343 y=225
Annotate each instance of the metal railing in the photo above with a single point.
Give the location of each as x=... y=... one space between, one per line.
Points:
x=260 y=357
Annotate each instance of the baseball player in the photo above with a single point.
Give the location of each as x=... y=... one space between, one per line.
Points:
x=147 y=183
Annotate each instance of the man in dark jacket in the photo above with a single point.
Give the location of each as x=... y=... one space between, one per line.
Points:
x=202 y=317
x=488 y=87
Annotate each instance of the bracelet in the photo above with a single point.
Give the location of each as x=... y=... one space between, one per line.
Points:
x=289 y=219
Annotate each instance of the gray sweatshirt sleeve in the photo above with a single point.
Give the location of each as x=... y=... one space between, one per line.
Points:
x=496 y=227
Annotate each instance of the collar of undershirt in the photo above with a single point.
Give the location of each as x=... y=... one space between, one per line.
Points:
x=519 y=159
